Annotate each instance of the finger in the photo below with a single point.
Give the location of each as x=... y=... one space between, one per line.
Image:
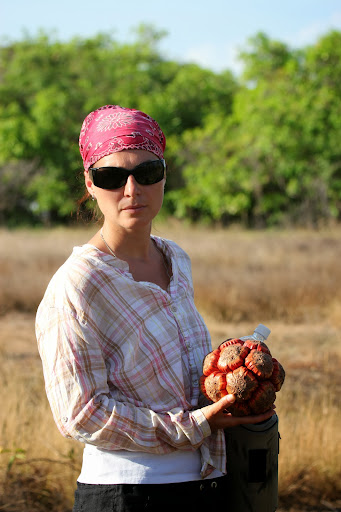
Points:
x=224 y=402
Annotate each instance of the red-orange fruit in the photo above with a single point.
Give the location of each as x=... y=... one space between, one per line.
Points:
x=231 y=357
x=260 y=363
x=215 y=386
x=245 y=369
x=210 y=362
x=278 y=375
x=241 y=382
x=263 y=398
x=239 y=409
x=227 y=343
x=257 y=345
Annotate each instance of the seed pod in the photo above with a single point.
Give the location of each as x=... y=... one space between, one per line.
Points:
x=210 y=362
x=202 y=386
x=227 y=343
x=245 y=369
x=239 y=409
x=257 y=345
x=278 y=375
x=215 y=386
x=232 y=357
x=241 y=382
x=260 y=363
x=263 y=398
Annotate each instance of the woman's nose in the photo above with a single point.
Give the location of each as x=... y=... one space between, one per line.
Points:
x=131 y=187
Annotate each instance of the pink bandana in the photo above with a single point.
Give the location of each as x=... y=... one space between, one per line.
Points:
x=113 y=128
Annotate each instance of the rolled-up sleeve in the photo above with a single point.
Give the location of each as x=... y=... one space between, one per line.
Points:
x=77 y=388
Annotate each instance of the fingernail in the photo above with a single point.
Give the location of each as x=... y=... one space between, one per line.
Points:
x=230 y=399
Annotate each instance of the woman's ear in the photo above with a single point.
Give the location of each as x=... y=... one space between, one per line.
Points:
x=88 y=183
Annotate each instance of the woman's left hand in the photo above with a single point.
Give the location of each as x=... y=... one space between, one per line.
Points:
x=218 y=417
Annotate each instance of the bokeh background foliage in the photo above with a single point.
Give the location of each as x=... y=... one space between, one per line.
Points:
x=260 y=149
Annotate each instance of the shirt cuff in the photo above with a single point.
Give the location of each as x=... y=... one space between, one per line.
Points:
x=200 y=418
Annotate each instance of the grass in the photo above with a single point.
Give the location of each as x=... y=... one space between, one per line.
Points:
x=288 y=280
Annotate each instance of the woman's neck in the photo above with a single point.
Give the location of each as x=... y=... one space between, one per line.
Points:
x=146 y=262
x=127 y=244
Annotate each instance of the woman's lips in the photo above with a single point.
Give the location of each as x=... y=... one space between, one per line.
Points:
x=134 y=207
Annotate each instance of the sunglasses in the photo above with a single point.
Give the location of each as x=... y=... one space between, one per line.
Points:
x=110 y=178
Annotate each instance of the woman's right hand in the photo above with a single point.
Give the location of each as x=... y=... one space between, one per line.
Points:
x=218 y=417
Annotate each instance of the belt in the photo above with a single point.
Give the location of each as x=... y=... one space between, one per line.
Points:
x=192 y=485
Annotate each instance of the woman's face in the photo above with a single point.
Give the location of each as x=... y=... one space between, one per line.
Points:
x=133 y=205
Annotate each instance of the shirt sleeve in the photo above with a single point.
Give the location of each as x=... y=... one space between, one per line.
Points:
x=77 y=388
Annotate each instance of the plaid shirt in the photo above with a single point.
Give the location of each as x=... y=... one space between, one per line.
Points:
x=122 y=359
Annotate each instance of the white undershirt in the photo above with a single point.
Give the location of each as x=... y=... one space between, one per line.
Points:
x=127 y=467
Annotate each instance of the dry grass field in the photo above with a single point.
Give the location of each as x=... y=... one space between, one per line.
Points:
x=288 y=280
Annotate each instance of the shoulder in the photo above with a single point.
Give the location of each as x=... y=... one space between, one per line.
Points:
x=72 y=280
x=79 y=266
x=179 y=251
x=172 y=248
x=178 y=257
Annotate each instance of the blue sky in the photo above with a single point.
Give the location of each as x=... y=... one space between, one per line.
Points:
x=209 y=33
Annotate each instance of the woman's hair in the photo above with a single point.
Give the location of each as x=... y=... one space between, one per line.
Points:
x=85 y=213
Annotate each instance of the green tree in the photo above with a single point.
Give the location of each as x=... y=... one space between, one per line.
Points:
x=262 y=150
x=263 y=57
x=276 y=159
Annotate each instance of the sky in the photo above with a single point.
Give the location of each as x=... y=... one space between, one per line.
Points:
x=209 y=33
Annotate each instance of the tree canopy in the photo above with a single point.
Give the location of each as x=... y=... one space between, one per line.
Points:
x=262 y=149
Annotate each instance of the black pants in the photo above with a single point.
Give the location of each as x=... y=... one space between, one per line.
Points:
x=199 y=496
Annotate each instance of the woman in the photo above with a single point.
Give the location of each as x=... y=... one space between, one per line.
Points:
x=122 y=343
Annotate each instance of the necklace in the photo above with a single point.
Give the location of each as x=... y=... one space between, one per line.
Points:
x=163 y=258
x=109 y=248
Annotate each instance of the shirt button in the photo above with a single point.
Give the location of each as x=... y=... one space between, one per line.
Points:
x=174 y=309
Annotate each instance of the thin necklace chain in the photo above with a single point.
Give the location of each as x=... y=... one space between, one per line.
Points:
x=161 y=253
x=109 y=248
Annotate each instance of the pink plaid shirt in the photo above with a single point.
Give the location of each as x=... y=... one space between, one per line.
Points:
x=122 y=359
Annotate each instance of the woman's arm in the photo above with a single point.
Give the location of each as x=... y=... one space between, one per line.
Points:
x=83 y=408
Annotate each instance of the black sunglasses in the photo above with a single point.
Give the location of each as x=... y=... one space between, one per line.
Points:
x=110 y=178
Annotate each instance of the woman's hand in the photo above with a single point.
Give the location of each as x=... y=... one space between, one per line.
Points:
x=218 y=417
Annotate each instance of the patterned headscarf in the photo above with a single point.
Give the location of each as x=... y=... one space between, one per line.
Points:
x=112 y=128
